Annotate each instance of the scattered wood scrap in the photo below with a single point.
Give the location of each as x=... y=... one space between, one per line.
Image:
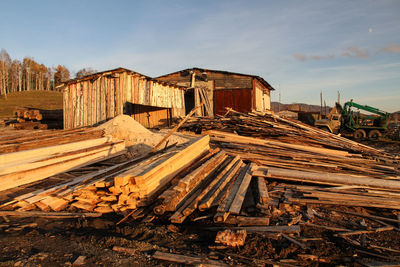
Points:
x=231 y=238
x=183 y=259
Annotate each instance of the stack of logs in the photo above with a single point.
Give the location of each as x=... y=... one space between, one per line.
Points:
x=31 y=118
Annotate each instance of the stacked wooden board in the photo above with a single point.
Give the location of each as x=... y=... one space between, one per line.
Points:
x=28 y=158
x=32 y=118
x=120 y=187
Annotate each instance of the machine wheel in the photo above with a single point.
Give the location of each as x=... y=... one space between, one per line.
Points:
x=359 y=134
x=374 y=135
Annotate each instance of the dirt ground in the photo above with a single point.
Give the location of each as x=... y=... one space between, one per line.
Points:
x=52 y=242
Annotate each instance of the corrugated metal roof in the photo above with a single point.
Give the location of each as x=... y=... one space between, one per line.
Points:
x=118 y=70
x=260 y=79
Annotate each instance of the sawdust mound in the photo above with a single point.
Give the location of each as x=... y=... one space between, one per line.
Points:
x=138 y=138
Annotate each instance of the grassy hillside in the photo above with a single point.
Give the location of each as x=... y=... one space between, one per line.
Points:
x=34 y=99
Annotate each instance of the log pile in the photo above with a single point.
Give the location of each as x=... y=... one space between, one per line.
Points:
x=31 y=118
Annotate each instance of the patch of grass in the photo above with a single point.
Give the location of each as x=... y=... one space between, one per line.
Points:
x=33 y=99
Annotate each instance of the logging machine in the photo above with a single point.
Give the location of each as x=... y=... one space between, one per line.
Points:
x=349 y=122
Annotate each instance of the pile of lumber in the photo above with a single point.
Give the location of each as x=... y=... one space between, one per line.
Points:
x=175 y=182
x=270 y=126
x=120 y=187
x=25 y=158
x=31 y=118
x=252 y=172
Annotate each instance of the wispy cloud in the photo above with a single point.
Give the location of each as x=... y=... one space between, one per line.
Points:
x=303 y=57
x=300 y=57
x=355 y=52
x=351 y=52
x=392 y=49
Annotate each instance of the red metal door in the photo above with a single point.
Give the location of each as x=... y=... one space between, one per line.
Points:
x=238 y=99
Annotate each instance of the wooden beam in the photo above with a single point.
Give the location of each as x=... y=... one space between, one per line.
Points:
x=241 y=193
x=208 y=199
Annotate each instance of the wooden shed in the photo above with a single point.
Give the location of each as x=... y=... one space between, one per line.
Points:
x=242 y=92
x=98 y=97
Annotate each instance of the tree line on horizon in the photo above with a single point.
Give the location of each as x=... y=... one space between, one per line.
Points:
x=29 y=75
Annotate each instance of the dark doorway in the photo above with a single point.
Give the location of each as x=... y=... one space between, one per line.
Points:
x=189 y=100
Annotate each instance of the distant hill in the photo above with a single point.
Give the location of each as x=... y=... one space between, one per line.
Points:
x=276 y=107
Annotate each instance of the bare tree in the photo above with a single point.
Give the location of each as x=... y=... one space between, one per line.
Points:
x=84 y=72
x=16 y=76
x=5 y=64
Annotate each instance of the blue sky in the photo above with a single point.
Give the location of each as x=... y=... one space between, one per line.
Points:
x=300 y=47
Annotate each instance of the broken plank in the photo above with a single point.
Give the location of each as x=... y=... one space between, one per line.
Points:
x=241 y=193
x=247 y=221
x=203 y=261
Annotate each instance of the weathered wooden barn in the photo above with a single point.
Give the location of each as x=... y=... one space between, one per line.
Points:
x=98 y=97
x=242 y=92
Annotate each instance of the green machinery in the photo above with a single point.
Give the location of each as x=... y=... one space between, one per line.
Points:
x=350 y=122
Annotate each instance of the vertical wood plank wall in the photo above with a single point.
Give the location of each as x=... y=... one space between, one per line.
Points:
x=262 y=97
x=88 y=102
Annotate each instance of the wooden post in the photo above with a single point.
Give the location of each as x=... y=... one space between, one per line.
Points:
x=177 y=127
x=320 y=113
x=196 y=94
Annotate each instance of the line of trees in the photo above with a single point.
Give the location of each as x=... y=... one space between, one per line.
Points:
x=28 y=75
